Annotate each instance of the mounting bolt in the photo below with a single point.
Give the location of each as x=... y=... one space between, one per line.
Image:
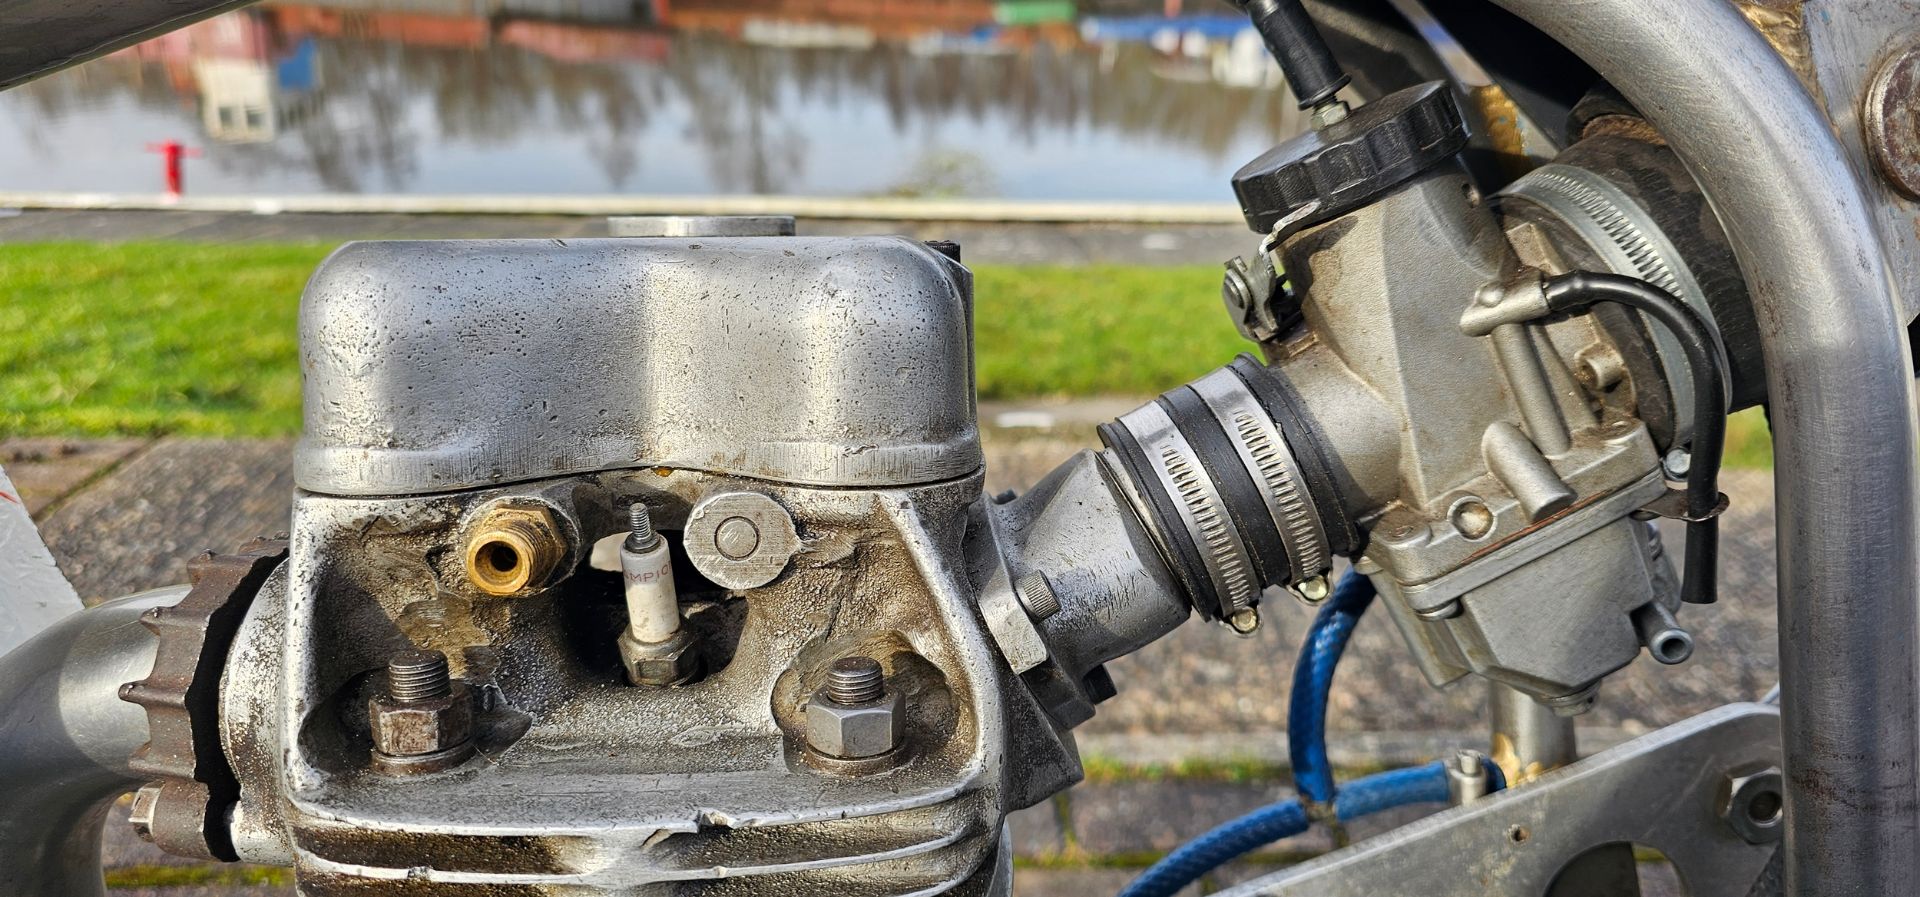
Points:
x=855 y=680
x=855 y=717
x=423 y=721
x=1753 y=805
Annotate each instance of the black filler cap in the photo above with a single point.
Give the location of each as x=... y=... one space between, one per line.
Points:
x=1352 y=162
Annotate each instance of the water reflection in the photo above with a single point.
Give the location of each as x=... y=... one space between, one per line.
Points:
x=1021 y=98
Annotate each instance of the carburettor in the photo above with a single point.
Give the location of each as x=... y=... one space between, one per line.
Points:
x=636 y=565
x=1491 y=473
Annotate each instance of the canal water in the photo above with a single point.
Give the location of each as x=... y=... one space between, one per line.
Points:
x=1024 y=99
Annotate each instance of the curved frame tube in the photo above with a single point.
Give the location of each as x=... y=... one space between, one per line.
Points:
x=66 y=737
x=1839 y=377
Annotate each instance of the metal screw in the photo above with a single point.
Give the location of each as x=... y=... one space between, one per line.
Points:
x=414 y=676
x=1677 y=463
x=1314 y=590
x=640 y=534
x=1244 y=622
x=1037 y=596
x=855 y=680
x=423 y=722
x=736 y=538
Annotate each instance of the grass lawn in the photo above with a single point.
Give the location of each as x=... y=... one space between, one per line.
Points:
x=198 y=339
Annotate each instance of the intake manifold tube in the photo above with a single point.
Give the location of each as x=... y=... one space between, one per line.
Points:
x=1231 y=477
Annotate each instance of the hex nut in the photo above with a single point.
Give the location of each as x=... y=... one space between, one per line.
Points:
x=660 y=664
x=421 y=728
x=855 y=732
x=1753 y=807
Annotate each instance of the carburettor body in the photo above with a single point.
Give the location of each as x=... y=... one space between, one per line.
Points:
x=1493 y=477
x=796 y=414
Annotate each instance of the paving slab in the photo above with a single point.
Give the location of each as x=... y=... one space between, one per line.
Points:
x=136 y=528
x=46 y=470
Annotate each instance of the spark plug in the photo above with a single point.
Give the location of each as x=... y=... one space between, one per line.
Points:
x=656 y=647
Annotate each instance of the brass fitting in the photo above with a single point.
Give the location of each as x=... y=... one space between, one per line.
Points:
x=512 y=549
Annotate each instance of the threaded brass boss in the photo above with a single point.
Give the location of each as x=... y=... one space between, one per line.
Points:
x=512 y=549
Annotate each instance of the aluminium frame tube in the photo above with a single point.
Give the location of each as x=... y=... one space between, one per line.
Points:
x=65 y=738
x=1839 y=376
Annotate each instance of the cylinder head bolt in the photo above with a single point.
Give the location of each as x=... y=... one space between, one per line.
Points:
x=423 y=721
x=1239 y=492
x=855 y=724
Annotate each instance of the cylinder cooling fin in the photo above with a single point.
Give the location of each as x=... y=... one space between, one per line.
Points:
x=1233 y=479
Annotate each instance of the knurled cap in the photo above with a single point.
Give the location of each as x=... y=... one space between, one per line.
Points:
x=1352 y=162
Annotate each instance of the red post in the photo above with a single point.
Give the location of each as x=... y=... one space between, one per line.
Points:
x=171 y=152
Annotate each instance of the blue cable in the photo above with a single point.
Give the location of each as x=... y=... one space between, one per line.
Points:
x=1424 y=784
x=1312 y=770
x=1313 y=683
x=1220 y=845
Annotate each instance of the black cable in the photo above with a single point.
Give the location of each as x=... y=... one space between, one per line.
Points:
x=1580 y=289
x=1313 y=74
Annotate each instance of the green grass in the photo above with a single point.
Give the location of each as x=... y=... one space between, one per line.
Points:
x=147 y=338
x=158 y=876
x=150 y=338
x=198 y=339
x=1102 y=330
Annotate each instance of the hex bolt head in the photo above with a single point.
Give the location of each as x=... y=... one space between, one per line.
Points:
x=660 y=664
x=854 y=716
x=1753 y=806
x=423 y=721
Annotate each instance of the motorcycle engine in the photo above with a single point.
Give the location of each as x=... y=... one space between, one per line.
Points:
x=662 y=564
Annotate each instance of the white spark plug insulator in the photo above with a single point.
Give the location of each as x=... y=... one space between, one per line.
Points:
x=646 y=563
